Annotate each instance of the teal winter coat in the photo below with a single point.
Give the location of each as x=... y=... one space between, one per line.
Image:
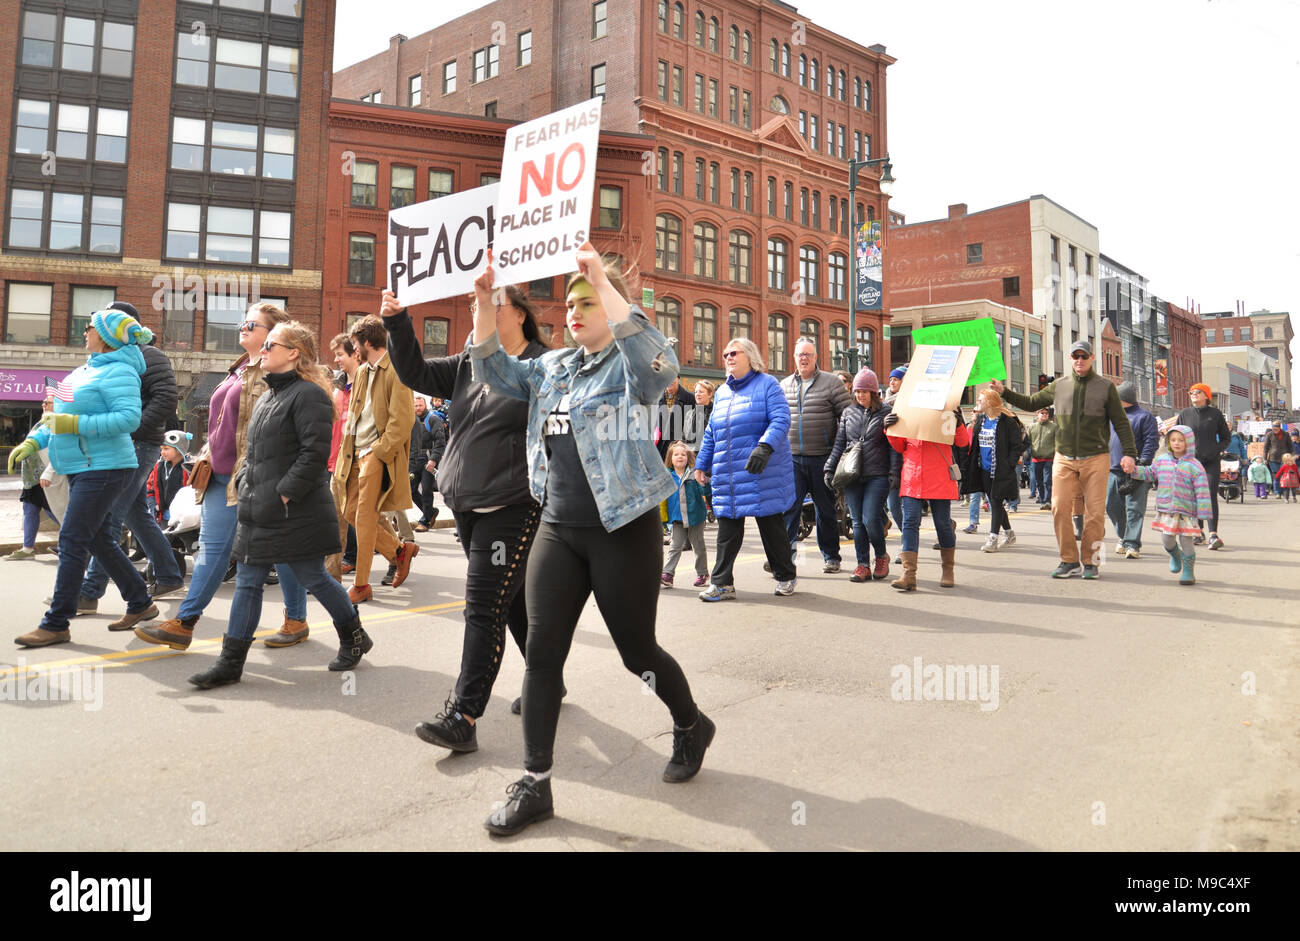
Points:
x=106 y=394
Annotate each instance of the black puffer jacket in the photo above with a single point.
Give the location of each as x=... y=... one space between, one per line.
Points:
x=485 y=463
x=158 y=397
x=288 y=450
x=866 y=425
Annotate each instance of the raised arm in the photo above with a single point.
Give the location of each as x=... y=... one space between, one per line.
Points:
x=427 y=376
x=514 y=378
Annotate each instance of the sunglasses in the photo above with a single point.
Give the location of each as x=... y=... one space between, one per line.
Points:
x=730 y=353
x=248 y=326
x=266 y=347
x=1080 y=356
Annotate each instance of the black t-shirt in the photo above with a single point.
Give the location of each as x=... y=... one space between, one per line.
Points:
x=569 y=500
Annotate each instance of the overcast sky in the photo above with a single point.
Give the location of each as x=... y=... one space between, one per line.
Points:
x=1168 y=124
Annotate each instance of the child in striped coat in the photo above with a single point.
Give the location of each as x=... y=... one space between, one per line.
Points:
x=1182 y=498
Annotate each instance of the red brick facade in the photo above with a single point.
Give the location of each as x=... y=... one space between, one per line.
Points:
x=1227 y=331
x=1184 y=355
x=1111 y=355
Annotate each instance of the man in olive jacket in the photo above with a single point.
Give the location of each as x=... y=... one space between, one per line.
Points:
x=1087 y=407
x=374 y=455
x=1042 y=439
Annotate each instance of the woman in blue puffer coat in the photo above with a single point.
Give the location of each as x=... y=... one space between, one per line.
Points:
x=89 y=437
x=746 y=452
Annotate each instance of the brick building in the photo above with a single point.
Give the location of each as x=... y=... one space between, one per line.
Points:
x=754 y=114
x=1270 y=333
x=160 y=153
x=1110 y=358
x=1184 y=354
x=400 y=155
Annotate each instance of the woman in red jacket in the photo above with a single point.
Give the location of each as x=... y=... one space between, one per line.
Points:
x=927 y=478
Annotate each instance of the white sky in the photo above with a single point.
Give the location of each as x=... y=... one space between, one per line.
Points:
x=1168 y=124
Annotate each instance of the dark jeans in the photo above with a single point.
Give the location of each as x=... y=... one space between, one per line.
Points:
x=866 y=503
x=940 y=515
x=350 y=550
x=428 y=487
x=246 y=606
x=1273 y=468
x=497 y=546
x=731 y=533
x=998 y=519
x=132 y=509
x=809 y=476
x=85 y=530
x=1043 y=480
x=568 y=564
x=1212 y=472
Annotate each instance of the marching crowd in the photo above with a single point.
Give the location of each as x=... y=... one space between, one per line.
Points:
x=306 y=473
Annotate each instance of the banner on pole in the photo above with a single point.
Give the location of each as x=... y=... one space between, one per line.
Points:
x=438 y=247
x=868 y=268
x=980 y=332
x=1162 y=377
x=548 y=176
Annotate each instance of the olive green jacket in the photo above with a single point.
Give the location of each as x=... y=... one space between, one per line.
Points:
x=1086 y=409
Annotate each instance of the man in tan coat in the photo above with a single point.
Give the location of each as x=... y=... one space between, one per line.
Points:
x=371 y=469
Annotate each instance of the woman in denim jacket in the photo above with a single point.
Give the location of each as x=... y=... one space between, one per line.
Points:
x=599 y=479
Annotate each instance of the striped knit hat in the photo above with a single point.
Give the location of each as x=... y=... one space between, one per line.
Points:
x=118 y=328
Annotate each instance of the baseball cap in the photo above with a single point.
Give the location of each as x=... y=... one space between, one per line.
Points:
x=1081 y=346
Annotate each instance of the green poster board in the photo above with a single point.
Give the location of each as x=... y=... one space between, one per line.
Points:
x=989 y=364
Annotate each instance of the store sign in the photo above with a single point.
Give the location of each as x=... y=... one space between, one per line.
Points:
x=27 y=385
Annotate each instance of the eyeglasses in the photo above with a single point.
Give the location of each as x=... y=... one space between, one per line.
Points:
x=266 y=347
x=248 y=326
x=89 y=327
x=730 y=353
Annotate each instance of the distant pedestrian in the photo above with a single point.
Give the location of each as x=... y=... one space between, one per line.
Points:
x=997 y=443
x=34 y=504
x=685 y=513
x=1276 y=446
x=1182 y=498
x=1260 y=477
x=1127 y=510
x=1288 y=479
x=1042 y=441
x=1212 y=437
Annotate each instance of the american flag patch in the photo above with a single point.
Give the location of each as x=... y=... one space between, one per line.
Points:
x=60 y=390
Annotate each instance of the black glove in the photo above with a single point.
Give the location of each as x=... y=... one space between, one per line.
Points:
x=894 y=482
x=891 y=419
x=830 y=480
x=758 y=458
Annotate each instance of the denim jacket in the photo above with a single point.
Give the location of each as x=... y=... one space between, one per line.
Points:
x=612 y=405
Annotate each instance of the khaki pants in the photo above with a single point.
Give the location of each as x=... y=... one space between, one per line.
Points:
x=1073 y=480
x=365 y=486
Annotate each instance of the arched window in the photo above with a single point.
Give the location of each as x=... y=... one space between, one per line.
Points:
x=857 y=91
x=663 y=16
x=810 y=330
x=713 y=34
x=1268 y=333
x=803 y=205
x=778 y=332
x=779 y=105
x=844 y=86
x=785 y=60
x=679 y=21
x=705 y=332
x=668 y=242
x=741 y=323
x=812 y=76
x=778 y=257
x=740 y=256
x=733 y=43
x=866 y=96
x=866 y=347
x=668 y=316
x=706 y=250
x=803 y=70
x=699 y=28
x=809 y=262
x=833 y=206
x=776 y=57
x=839 y=339
x=837 y=268
x=747 y=48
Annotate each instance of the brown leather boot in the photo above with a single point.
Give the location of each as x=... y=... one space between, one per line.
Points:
x=949 y=559
x=173 y=633
x=291 y=632
x=906 y=581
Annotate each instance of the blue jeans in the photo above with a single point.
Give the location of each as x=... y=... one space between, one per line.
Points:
x=975 y=500
x=940 y=515
x=866 y=503
x=809 y=476
x=895 y=504
x=1042 y=475
x=1273 y=468
x=132 y=508
x=216 y=540
x=1126 y=513
x=246 y=608
x=85 y=530
x=32 y=523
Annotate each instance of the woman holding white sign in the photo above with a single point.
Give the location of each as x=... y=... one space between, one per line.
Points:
x=599 y=480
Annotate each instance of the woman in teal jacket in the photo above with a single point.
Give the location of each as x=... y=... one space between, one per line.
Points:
x=89 y=438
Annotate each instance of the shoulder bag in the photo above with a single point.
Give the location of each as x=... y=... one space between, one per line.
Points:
x=201 y=475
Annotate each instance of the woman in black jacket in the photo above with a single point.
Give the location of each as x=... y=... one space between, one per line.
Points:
x=483 y=477
x=864 y=421
x=286 y=510
x=997 y=441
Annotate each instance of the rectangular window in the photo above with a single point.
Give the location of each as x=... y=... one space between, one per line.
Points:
x=542 y=289
x=365 y=184
x=106 y=224
x=749 y=192
x=598 y=25
x=789 y=202
x=1245 y=334
x=402 y=187
x=699 y=93
x=611 y=207
x=1016 y=354
x=39 y=32
x=524 y=46
x=713 y=98
x=487 y=179
x=183 y=231
x=1010 y=287
x=85 y=301
x=239 y=66
x=485 y=64
x=192 y=56
x=662 y=83
x=746 y=110
x=449 y=77
x=1035 y=356
x=66 y=222
x=73 y=135
x=699 y=178
x=678 y=77
x=224 y=313
x=1227 y=335
x=282 y=71
x=361 y=259
x=975 y=253
x=678 y=172
x=277 y=152
x=598 y=81
x=234 y=148
x=229 y=235
x=110 y=135
x=27 y=316
x=413 y=90
x=436 y=331
x=1210 y=336
x=812 y=130
x=178 y=321
x=715 y=183
x=32 y=132
x=116 y=49
x=78 y=45
x=735 y=188
x=733 y=104
x=490 y=109
x=771 y=196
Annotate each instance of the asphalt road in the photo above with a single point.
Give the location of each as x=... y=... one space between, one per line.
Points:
x=1130 y=714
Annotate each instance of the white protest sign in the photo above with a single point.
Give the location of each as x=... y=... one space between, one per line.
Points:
x=548 y=175
x=438 y=247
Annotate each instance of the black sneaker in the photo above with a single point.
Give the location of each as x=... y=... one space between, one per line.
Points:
x=450 y=730
x=688 y=750
x=388 y=579
x=529 y=800
x=157 y=590
x=1066 y=569
x=1090 y=571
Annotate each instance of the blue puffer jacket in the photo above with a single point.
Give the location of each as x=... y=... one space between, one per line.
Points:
x=746 y=413
x=106 y=394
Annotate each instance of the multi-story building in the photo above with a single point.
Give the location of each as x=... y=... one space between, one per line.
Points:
x=1184 y=365
x=384 y=157
x=1033 y=255
x=1252 y=390
x=162 y=153
x=754 y=114
x=1110 y=358
x=1270 y=333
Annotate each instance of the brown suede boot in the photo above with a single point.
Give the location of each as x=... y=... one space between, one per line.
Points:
x=173 y=633
x=291 y=632
x=906 y=581
x=949 y=559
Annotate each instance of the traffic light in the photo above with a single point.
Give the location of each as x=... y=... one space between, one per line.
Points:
x=1044 y=380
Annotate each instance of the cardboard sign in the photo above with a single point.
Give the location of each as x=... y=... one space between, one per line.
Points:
x=1254 y=449
x=438 y=247
x=936 y=378
x=989 y=364
x=548 y=176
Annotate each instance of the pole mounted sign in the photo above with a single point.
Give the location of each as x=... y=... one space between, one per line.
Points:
x=869 y=266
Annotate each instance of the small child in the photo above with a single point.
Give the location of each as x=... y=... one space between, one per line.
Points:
x=1258 y=474
x=685 y=511
x=1288 y=478
x=168 y=475
x=1182 y=498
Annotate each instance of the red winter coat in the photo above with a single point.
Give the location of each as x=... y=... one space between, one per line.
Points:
x=1288 y=477
x=925 y=467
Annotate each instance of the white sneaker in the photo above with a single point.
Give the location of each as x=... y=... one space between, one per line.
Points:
x=1119 y=549
x=990 y=544
x=1008 y=539
x=1132 y=553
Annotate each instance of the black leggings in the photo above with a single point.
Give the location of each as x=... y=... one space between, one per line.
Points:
x=496 y=545
x=1212 y=470
x=998 y=519
x=622 y=568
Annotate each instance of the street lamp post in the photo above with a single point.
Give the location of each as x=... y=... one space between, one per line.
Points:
x=886 y=185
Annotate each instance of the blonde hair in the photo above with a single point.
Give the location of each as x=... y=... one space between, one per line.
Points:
x=750 y=349
x=277 y=314
x=708 y=386
x=303 y=339
x=612 y=271
x=690 y=454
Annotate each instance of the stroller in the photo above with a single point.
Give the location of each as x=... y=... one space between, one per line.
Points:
x=1230 y=485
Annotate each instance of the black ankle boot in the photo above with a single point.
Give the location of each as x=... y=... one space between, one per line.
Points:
x=229 y=666
x=354 y=642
